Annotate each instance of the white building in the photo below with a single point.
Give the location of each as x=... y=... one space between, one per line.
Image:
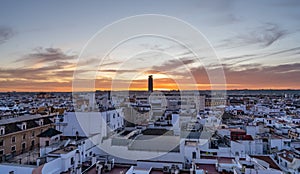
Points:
x=90 y=123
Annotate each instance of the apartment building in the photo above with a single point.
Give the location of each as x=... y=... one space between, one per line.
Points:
x=19 y=134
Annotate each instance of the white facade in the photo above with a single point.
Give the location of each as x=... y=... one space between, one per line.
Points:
x=254 y=147
x=176 y=124
x=59 y=162
x=280 y=143
x=90 y=123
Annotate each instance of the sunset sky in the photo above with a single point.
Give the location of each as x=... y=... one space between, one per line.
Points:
x=257 y=43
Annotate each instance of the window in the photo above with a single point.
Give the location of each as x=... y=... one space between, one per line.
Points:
x=1 y=142
x=1 y=152
x=194 y=155
x=2 y=132
x=32 y=133
x=32 y=143
x=114 y=115
x=23 y=146
x=13 y=148
x=47 y=143
x=24 y=136
x=72 y=160
x=13 y=139
x=24 y=127
x=107 y=118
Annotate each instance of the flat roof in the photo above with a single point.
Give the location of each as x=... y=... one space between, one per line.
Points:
x=22 y=118
x=64 y=150
x=156 y=143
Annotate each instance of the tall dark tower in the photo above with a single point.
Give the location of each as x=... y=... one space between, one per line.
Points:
x=150 y=84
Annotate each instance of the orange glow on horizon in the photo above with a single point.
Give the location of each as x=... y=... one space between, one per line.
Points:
x=157 y=88
x=136 y=85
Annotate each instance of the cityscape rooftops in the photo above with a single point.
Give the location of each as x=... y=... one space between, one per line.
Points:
x=23 y=118
x=64 y=150
x=267 y=159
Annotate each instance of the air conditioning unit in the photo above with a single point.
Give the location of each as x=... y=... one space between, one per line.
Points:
x=107 y=167
x=98 y=166
x=166 y=169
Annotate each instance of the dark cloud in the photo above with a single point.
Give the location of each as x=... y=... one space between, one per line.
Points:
x=281 y=76
x=46 y=55
x=271 y=35
x=43 y=73
x=43 y=64
x=239 y=57
x=234 y=60
x=284 y=68
x=120 y=71
x=284 y=51
x=111 y=63
x=263 y=36
x=174 y=64
x=154 y=72
x=96 y=62
x=6 y=33
x=256 y=76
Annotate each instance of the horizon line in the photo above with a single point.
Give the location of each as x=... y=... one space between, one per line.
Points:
x=262 y=89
